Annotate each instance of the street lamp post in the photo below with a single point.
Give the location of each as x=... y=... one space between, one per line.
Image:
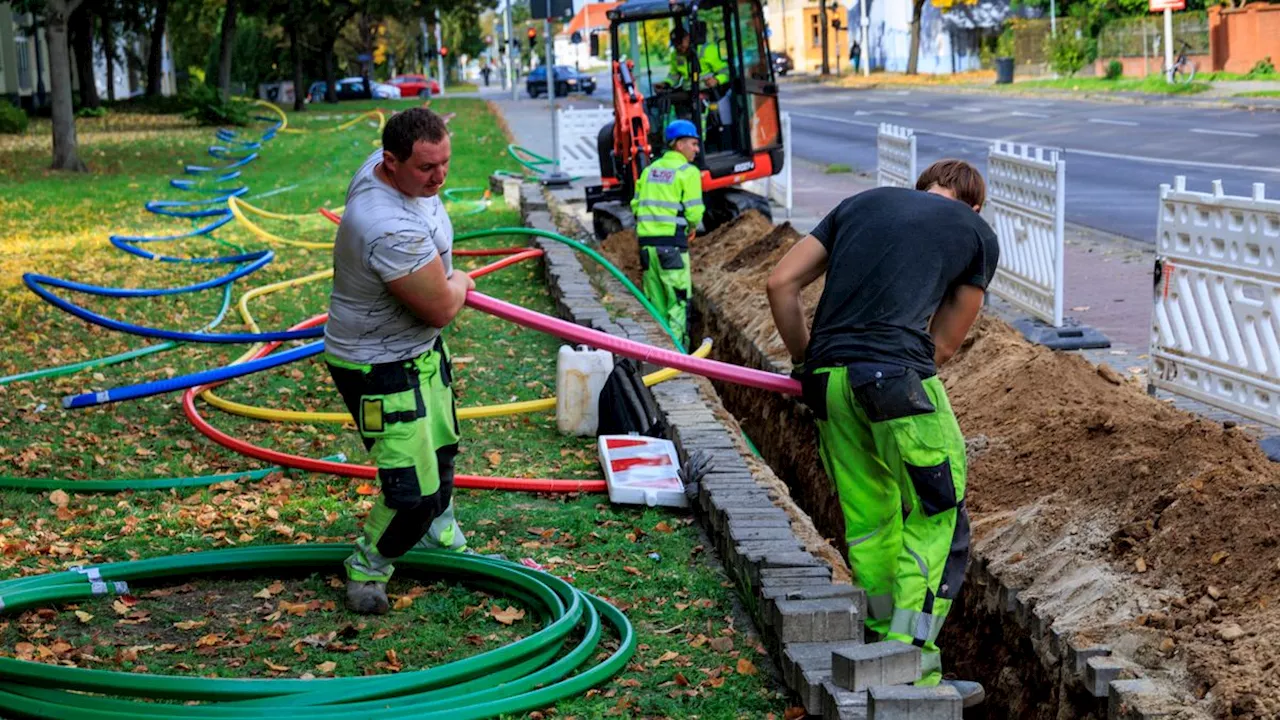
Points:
x=863 y=25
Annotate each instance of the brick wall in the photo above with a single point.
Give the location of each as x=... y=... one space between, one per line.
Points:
x=1241 y=37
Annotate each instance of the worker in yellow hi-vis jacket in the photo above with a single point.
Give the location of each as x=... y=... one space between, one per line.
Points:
x=668 y=206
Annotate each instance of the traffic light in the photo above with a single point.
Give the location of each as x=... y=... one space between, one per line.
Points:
x=533 y=38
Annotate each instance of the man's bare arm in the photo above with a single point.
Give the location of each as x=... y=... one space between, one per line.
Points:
x=803 y=264
x=434 y=298
x=950 y=324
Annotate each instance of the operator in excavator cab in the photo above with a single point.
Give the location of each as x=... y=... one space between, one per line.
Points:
x=713 y=72
x=668 y=207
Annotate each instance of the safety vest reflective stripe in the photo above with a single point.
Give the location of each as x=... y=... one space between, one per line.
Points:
x=692 y=203
x=676 y=219
x=662 y=204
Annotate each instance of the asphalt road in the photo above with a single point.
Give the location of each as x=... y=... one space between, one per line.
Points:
x=1117 y=155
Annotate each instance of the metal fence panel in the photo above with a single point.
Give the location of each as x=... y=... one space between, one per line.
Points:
x=895 y=156
x=1216 y=326
x=1026 y=199
x=578 y=132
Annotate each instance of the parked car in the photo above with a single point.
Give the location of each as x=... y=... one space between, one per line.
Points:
x=781 y=63
x=568 y=81
x=352 y=88
x=412 y=85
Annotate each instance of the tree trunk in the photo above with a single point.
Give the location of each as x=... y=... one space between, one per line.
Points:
x=228 y=43
x=330 y=79
x=155 y=53
x=81 y=29
x=295 y=55
x=109 y=52
x=66 y=155
x=913 y=60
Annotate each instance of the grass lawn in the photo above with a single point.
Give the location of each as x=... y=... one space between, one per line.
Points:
x=1149 y=84
x=1260 y=93
x=696 y=656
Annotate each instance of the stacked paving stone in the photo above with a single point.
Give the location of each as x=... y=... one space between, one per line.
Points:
x=813 y=627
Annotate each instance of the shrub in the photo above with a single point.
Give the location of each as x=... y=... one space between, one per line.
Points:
x=13 y=120
x=1005 y=44
x=1067 y=53
x=1262 y=68
x=1115 y=69
x=91 y=112
x=205 y=106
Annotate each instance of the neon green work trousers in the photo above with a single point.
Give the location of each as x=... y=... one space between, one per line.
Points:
x=406 y=415
x=891 y=445
x=667 y=283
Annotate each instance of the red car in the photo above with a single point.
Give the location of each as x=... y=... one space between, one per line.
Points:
x=415 y=85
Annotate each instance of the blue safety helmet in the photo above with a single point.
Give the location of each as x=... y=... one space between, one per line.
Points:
x=680 y=129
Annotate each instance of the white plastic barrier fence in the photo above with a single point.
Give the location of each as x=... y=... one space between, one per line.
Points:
x=1216 y=326
x=1026 y=202
x=578 y=130
x=895 y=156
x=778 y=188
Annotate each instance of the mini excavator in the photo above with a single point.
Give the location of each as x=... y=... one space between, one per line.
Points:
x=738 y=120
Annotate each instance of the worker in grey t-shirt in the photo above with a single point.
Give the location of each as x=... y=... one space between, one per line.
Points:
x=394 y=288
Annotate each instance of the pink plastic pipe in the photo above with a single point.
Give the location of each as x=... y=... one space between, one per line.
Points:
x=713 y=369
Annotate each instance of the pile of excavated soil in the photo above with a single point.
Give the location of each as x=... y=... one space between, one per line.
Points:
x=1131 y=522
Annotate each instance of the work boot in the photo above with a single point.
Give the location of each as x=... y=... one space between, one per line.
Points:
x=368 y=597
x=971 y=693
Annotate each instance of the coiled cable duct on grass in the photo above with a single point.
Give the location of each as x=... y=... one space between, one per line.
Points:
x=128 y=243
x=37 y=282
x=196 y=185
x=166 y=207
x=239 y=208
x=182 y=382
x=532 y=672
x=120 y=357
x=202 y=169
x=10 y=482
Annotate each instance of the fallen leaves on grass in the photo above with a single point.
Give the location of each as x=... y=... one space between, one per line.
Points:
x=270 y=591
x=746 y=667
x=190 y=624
x=507 y=616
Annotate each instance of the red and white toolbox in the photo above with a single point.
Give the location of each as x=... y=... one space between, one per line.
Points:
x=642 y=470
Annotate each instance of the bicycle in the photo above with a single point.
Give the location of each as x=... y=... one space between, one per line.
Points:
x=1183 y=70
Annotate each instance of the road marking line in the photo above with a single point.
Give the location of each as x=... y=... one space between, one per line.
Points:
x=1232 y=133
x=1076 y=151
x=1019 y=113
x=1104 y=121
x=963 y=108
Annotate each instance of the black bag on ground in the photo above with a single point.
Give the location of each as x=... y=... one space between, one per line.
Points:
x=625 y=405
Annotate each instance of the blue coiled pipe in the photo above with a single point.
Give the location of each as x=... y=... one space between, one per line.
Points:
x=182 y=382
x=217 y=203
x=201 y=169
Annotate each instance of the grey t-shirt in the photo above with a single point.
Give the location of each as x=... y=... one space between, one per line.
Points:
x=384 y=235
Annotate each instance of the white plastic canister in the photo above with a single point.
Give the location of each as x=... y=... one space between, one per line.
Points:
x=580 y=375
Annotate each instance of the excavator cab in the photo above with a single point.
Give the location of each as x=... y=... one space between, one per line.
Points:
x=707 y=62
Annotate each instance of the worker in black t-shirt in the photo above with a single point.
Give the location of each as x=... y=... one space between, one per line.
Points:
x=906 y=273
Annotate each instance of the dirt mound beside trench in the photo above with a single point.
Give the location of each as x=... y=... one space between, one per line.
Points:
x=1131 y=521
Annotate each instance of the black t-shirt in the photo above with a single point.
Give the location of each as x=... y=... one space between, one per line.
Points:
x=892 y=256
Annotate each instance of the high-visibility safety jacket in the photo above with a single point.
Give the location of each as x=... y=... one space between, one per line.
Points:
x=668 y=201
x=710 y=62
